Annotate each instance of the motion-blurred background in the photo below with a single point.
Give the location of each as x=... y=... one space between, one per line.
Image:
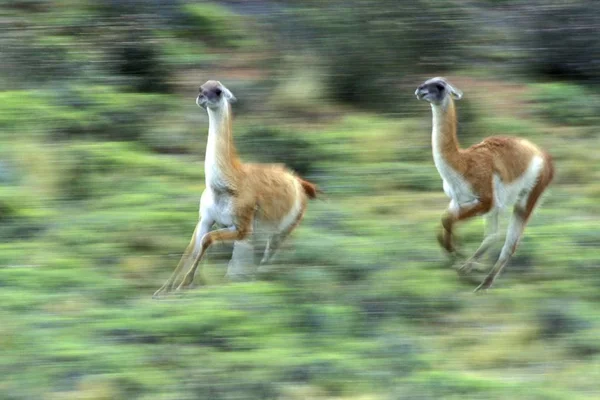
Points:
x=101 y=170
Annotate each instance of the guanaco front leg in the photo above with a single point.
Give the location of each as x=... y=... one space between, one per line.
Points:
x=240 y=232
x=190 y=253
x=491 y=235
x=460 y=213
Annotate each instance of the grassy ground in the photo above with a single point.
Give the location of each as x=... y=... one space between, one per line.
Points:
x=360 y=304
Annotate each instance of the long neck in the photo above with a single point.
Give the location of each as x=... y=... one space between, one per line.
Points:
x=443 y=137
x=221 y=155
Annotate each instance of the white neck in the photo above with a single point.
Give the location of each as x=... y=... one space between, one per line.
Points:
x=217 y=118
x=437 y=133
x=217 y=131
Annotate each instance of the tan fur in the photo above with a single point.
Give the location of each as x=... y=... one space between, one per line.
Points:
x=508 y=157
x=240 y=196
x=479 y=171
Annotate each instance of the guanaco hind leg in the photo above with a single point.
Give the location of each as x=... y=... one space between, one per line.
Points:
x=277 y=239
x=521 y=214
x=241 y=265
x=513 y=235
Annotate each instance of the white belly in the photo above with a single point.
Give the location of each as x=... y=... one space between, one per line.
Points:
x=507 y=194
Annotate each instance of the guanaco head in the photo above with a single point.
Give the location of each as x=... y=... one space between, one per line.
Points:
x=435 y=91
x=214 y=95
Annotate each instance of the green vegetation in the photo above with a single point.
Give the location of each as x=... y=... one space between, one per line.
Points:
x=567 y=104
x=101 y=172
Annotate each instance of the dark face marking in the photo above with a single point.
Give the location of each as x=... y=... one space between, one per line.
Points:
x=210 y=94
x=433 y=91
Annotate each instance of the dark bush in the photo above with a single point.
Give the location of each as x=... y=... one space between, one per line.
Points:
x=32 y=61
x=138 y=61
x=562 y=38
x=368 y=46
x=555 y=321
x=274 y=146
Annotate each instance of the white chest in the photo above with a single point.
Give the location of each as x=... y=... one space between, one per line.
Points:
x=456 y=186
x=218 y=208
x=216 y=201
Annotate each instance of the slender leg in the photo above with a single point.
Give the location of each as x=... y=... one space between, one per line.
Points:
x=522 y=211
x=277 y=239
x=220 y=235
x=240 y=232
x=491 y=235
x=241 y=265
x=513 y=235
x=191 y=251
x=460 y=213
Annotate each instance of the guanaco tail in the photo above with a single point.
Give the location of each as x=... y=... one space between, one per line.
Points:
x=483 y=179
x=242 y=197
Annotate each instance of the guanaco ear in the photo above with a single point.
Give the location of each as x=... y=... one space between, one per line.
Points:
x=456 y=94
x=228 y=95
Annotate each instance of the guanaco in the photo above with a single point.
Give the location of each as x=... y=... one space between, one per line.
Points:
x=242 y=197
x=483 y=179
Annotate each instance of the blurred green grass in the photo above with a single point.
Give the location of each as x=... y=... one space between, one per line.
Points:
x=99 y=190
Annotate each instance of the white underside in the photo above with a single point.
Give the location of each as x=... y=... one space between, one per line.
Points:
x=505 y=194
x=508 y=194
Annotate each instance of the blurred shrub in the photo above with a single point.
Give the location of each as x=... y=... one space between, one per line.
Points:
x=567 y=104
x=584 y=343
x=470 y=129
x=219 y=386
x=412 y=176
x=75 y=179
x=554 y=320
x=19 y=218
x=168 y=140
x=562 y=38
x=271 y=145
x=108 y=41
x=137 y=59
x=29 y=59
x=211 y=23
x=368 y=46
x=131 y=51
x=102 y=112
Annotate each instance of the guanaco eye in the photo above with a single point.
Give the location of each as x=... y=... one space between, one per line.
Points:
x=218 y=91
x=439 y=87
